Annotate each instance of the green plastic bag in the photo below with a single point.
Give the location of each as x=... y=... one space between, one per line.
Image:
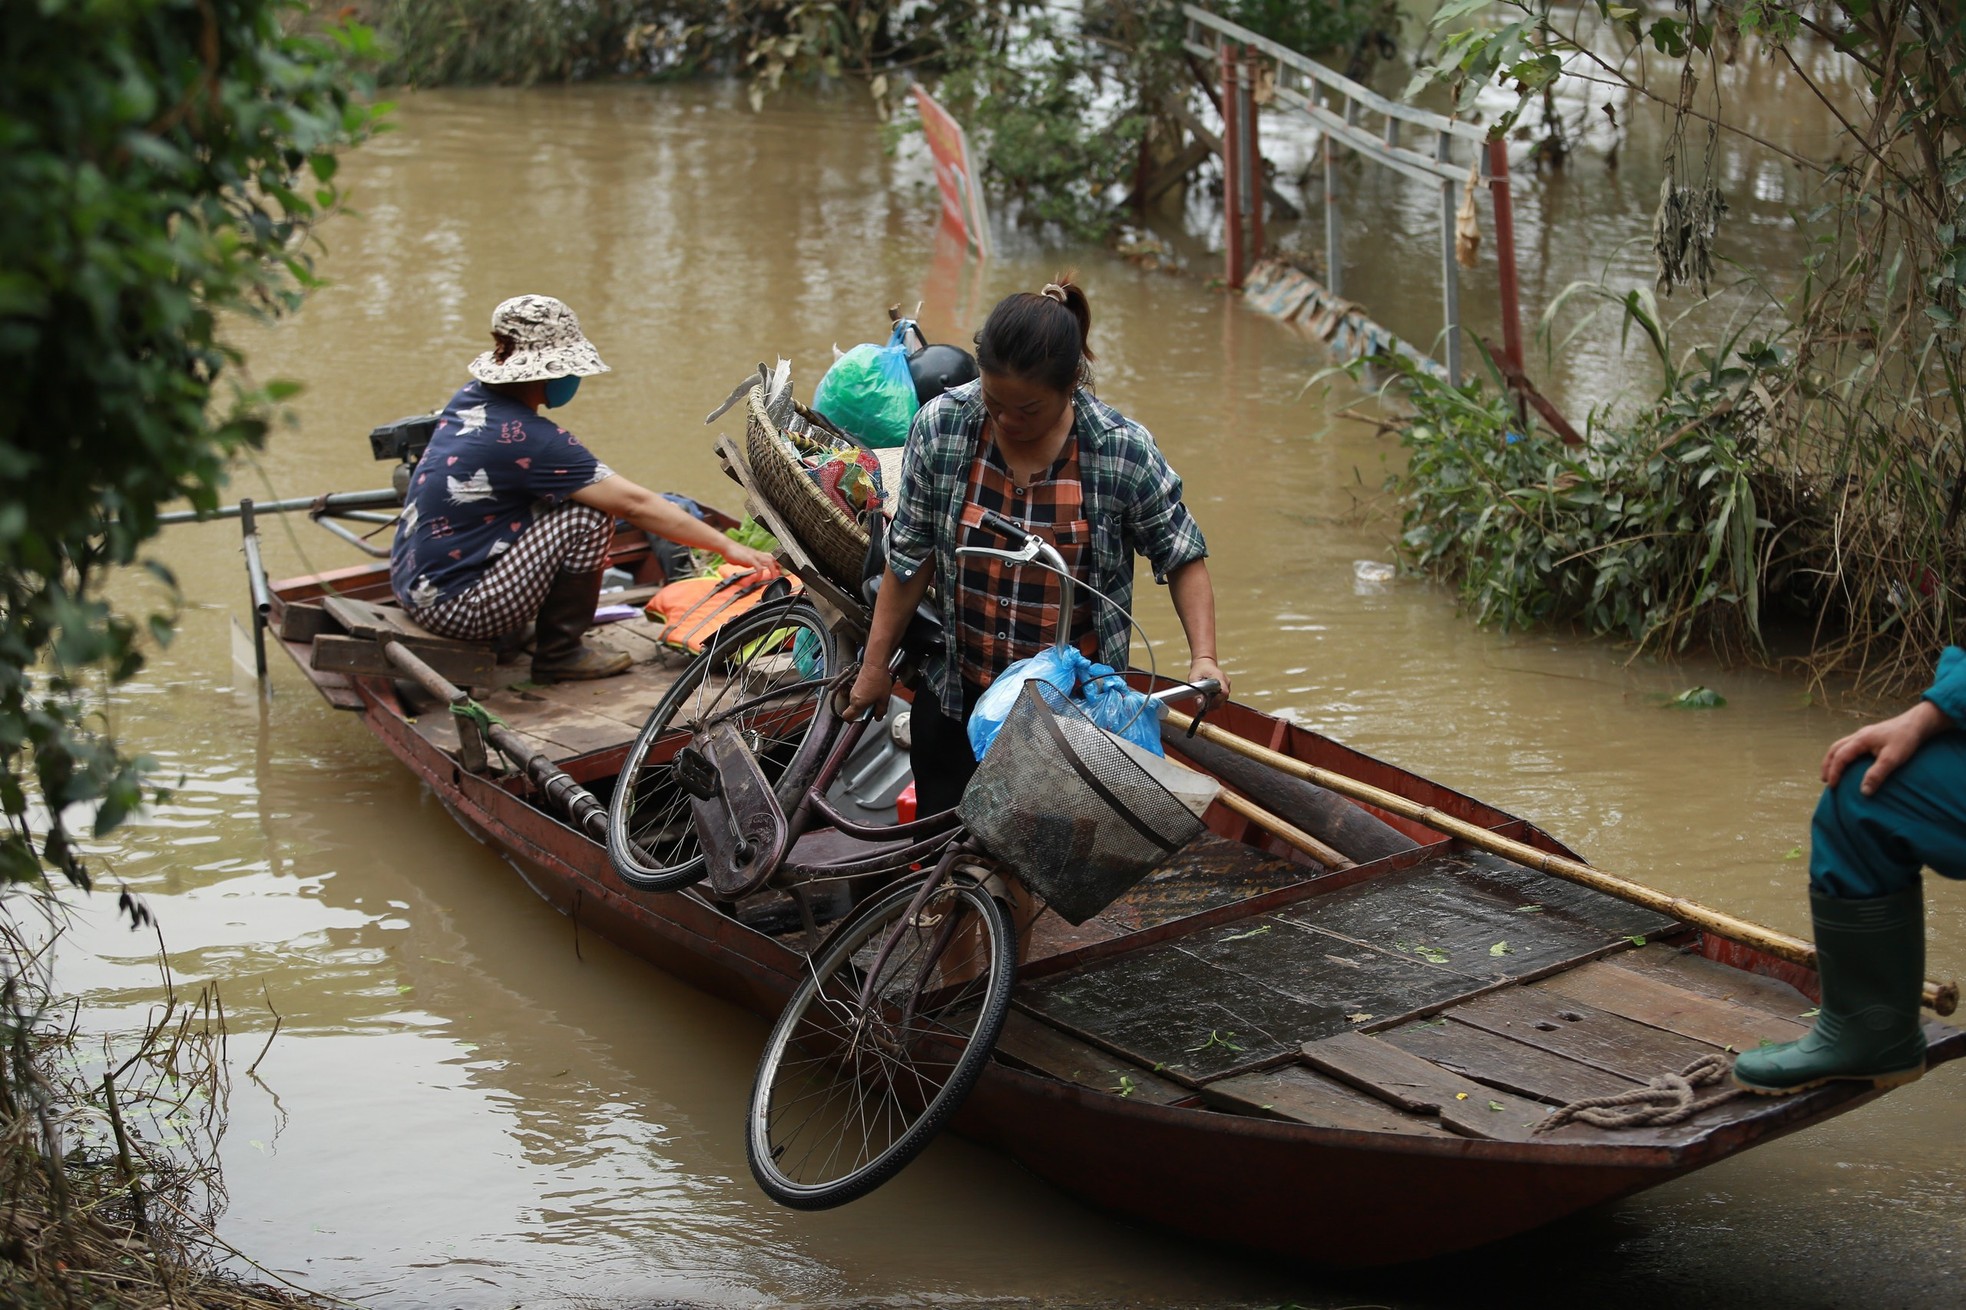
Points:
x=869 y=393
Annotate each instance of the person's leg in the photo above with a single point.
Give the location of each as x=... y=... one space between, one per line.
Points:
x=939 y=752
x=1868 y=906
x=566 y=611
x=509 y=593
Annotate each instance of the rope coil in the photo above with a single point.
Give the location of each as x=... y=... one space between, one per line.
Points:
x=1669 y=1098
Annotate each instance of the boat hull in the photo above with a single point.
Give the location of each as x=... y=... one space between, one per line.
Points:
x=1326 y=1196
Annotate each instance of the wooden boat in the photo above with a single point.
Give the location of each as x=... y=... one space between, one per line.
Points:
x=1345 y=1066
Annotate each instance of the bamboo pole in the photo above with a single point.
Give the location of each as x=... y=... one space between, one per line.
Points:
x=1289 y=832
x=1941 y=998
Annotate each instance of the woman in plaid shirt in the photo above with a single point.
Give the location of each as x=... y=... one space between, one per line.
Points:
x=1027 y=440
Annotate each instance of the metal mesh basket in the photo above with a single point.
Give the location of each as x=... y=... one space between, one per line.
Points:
x=1061 y=803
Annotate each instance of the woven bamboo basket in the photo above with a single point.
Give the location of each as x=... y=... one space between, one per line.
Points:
x=834 y=541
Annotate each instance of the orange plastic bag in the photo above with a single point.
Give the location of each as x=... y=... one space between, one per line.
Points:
x=693 y=610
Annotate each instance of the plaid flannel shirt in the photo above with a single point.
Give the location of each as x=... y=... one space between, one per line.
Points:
x=1132 y=499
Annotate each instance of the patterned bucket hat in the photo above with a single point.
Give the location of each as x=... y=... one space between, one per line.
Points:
x=546 y=342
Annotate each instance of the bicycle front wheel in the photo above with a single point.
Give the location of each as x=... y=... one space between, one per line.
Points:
x=765 y=673
x=886 y=1035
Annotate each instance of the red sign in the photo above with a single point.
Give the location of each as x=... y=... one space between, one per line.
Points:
x=962 y=189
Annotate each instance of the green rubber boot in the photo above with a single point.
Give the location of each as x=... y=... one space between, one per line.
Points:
x=1871 y=955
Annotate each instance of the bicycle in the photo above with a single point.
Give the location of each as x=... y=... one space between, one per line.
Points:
x=902 y=1002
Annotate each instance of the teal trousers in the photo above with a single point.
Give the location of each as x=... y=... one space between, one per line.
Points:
x=1864 y=846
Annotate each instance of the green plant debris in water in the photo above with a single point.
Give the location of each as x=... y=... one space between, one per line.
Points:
x=1697 y=698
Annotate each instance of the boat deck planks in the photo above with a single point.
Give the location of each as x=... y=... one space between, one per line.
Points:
x=1208 y=873
x=1418 y=1086
x=1303 y=1096
x=1696 y=973
x=1400 y=943
x=1038 y=1046
x=1451 y=911
x=1647 y=999
x=1554 y=1023
x=1505 y=1064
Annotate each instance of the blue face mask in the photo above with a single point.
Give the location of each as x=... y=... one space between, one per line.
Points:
x=560 y=390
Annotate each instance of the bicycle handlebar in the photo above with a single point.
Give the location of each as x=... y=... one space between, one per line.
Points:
x=1035 y=550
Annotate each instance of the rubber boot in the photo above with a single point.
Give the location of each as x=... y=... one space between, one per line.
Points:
x=1871 y=956
x=558 y=653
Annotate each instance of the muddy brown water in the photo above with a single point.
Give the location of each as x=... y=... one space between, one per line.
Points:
x=466 y=1105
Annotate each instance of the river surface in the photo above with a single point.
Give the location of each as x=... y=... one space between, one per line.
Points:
x=466 y=1104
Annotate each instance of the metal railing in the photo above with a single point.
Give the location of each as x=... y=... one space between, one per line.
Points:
x=1340 y=108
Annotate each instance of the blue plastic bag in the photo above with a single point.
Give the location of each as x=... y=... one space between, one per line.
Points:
x=1121 y=710
x=1100 y=692
x=869 y=393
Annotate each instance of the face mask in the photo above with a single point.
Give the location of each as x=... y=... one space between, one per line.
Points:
x=560 y=390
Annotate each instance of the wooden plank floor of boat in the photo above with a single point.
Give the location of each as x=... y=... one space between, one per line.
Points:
x=568 y=719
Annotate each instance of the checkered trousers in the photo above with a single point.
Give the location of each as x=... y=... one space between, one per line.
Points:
x=1004 y=612
x=569 y=538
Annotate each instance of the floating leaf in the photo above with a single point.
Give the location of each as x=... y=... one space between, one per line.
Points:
x=1697 y=698
x=1501 y=948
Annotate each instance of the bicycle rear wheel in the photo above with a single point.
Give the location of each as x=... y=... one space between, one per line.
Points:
x=766 y=672
x=848 y=1093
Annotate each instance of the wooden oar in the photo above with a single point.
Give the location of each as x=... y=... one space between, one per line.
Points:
x=1289 y=832
x=1942 y=998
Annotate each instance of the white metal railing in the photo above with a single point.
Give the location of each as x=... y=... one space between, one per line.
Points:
x=1337 y=105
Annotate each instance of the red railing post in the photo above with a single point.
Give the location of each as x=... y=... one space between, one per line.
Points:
x=1231 y=168
x=1253 y=156
x=1498 y=183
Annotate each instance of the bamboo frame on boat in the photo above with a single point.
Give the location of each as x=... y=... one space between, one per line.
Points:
x=1941 y=998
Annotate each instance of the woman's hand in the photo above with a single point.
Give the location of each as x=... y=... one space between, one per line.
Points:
x=1892 y=742
x=871 y=690
x=1206 y=667
x=766 y=566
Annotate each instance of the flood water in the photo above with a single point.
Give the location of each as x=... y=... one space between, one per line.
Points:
x=469 y=1104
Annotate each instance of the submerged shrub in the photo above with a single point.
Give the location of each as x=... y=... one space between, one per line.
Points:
x=1650 y=530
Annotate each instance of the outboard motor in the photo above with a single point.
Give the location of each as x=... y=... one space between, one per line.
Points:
x=403 y=441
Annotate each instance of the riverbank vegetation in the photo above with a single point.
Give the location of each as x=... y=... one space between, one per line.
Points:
x=1070 y=106
x=1810 y=465
x=164 y=165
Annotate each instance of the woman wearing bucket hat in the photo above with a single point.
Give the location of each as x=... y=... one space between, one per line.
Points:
x=508 y=516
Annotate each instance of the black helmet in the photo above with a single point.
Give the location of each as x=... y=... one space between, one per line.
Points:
x=937 y=368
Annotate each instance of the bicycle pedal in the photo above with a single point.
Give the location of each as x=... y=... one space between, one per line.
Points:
x=696 y=775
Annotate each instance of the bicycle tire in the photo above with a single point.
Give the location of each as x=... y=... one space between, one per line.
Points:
x=856 y=1091
x=652 y=841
